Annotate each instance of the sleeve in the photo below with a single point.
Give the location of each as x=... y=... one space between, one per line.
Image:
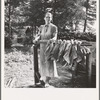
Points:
x=54 y=32
x=40 y=30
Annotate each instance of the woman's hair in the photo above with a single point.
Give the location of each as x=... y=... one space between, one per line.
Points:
x=48 y=13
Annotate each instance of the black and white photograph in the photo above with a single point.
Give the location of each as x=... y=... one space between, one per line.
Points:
x=50 y=50
x=50 y=43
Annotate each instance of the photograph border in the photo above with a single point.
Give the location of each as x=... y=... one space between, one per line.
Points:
x=25 y=94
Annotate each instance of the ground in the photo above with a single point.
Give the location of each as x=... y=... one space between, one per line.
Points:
x=19 y=70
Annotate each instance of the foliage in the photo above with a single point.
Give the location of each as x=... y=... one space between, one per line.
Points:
x=90 y=17
x=18 y=65
x=13 y=20
x=88 y=36
x=71 y=13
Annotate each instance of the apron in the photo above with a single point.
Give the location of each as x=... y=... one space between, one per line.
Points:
x=46 y=66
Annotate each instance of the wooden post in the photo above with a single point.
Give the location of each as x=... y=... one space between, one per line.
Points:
x=35 y=64
x=74 y=72
x=89 y=69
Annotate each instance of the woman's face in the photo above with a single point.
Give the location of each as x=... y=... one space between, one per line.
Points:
x=48 y=18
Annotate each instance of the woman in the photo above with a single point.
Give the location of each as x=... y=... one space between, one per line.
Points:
x=46 y=32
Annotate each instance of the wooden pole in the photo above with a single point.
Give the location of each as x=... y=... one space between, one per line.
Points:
x=89 y=69
x=35 y=64
x=74 y=72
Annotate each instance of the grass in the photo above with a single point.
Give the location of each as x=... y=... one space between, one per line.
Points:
x=19 y=65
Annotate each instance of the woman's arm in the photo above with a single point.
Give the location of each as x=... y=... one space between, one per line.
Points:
x=38 y=36
x=54 y=32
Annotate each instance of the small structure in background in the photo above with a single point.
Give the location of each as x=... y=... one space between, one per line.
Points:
x=28 y=32
x=28 y=36
x=14 y=40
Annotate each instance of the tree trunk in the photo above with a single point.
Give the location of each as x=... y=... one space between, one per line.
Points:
x=54 y=20
x=76 y=25
x=35 y=24
x=85 y=21
x=32 y=29
x=9 y=7
x=71 y=24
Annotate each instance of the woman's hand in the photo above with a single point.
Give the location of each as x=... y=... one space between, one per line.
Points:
x=35 y=41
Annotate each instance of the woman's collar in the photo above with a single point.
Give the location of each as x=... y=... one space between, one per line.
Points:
x=47 y=24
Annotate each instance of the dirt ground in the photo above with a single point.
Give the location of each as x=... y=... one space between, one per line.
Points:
x=18 y=70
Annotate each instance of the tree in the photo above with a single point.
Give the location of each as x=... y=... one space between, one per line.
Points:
x=90 y=13
x=65 y=13
x=10 y=6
